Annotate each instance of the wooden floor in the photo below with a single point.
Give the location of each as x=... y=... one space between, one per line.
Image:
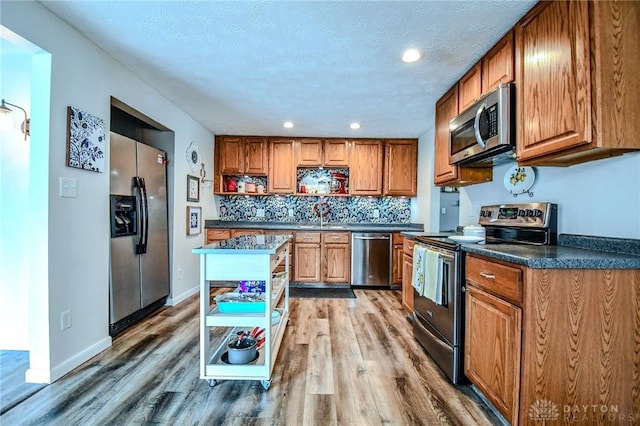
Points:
x=342 y=362
x=13 y=388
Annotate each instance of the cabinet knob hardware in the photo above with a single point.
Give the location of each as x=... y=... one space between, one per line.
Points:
x=488 y=276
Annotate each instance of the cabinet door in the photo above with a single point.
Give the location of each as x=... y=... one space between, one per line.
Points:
x=336 y=153
x=401 y=168
x=309 y=152
x=307 y=262
x=554 y=90
x=498 y=65
x=446 y=110
x=407 y=285
x=396 y=264
x=230 y=155
x=336 y=260
x=256 y=155
x=365 y=174
x=282 y=168
x=470 y=87
x=493 y=330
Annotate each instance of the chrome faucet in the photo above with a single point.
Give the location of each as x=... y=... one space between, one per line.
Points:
x=321 y=208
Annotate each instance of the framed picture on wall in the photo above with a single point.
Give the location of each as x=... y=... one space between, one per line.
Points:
x=193 y=189
x=194 y=220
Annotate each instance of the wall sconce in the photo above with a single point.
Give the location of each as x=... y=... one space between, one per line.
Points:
x=203 y=174
x=4 y=109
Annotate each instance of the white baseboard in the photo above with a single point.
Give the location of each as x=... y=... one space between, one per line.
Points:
x=50 y=376
x=173 y=301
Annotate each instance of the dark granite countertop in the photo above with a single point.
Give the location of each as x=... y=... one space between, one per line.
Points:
x=315 y=226
x=555 y=257
x=572 y=252
x=246 y=244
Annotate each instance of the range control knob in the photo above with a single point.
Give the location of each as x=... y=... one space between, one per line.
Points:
x=521 y=213
x=529 y=213
x=537 y=213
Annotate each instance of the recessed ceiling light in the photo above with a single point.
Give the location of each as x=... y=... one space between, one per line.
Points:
x=355 y=126
x=288 y=125
x=411 y=55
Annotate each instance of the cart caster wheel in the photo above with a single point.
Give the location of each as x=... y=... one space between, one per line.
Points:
x=266 y=384
x=213 y=382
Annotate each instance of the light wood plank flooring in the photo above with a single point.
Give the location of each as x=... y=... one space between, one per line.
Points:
x=343 y=362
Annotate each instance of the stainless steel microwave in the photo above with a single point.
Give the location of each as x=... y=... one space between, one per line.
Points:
x=483 y=135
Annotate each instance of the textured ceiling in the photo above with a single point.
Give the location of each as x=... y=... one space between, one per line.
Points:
x=246 y=67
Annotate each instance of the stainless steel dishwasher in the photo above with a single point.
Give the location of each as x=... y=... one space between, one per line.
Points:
x=370 y=259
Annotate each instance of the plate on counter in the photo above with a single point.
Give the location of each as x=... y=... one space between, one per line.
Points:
x=465 y=238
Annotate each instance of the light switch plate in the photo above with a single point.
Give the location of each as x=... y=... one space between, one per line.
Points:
x=68 y=187
x=260 y=213
x=376 y=213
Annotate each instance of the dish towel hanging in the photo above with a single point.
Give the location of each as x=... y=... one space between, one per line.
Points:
x=419 y=254
x=432 y=277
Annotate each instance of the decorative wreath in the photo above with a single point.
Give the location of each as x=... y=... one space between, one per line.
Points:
x=193 y=157
x=321 y=208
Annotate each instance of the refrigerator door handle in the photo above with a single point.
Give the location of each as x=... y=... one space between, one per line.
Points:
x=137 y=185
x=145 y=203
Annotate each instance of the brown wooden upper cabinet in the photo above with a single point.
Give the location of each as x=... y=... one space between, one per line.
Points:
x=365 y=171
x=470 y=87
x=401 y=167
x=322 y=152
x=446 y=174
x=241 y=155
x=282 y=168
x=578 y=87
x=497 y=66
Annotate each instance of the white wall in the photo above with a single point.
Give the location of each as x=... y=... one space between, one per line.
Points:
x=595 y=198
x=427 y=202
x=78 y=261
x=15 y=74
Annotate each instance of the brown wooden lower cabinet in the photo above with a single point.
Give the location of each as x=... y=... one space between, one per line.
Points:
x=214 y=235
x=554 y=344
x=322 y=257
x=407 y=274
x=396 y=259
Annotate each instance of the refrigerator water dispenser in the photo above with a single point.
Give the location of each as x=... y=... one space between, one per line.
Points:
x=123 y=216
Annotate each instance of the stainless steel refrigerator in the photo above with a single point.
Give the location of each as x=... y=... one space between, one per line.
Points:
x=139 y=277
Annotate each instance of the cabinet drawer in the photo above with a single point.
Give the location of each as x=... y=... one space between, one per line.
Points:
x=241 y=232
x=497 y=278
x=218 y=234
x=407 y=246
x=335 y=237
x=397 y=238
x=307 y=237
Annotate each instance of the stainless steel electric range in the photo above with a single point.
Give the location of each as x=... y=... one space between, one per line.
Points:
x=439 y=327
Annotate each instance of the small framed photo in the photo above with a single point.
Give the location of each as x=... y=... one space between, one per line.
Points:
x=193 y=189
x=194 y=220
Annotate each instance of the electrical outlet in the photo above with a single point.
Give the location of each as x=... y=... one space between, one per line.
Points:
x=290 y=212
x=68 y=187
x=65 y=320
x=260 y=213
x=376 y=213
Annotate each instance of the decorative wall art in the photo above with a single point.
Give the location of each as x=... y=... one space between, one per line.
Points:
x=85 y=140
x=193 y=189
x=194 y=220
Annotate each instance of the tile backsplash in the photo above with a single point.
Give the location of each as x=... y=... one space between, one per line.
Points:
x=291 y=208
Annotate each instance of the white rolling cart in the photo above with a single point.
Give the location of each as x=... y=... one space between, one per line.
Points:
x=248 y=258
